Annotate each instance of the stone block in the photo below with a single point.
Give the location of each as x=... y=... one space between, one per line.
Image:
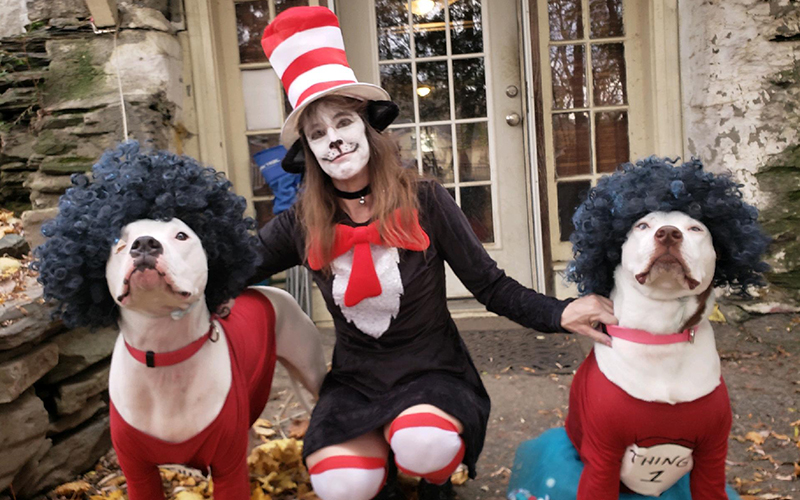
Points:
x=28 y=471
x=26 y=319
x=44 y=10
x=13 y=245
x=74 y=392
x=17 y=375
x=23 y=424
x=40 y=201
x=79 y=349
x=52 y=142
x=32 y=221
x=136 y=16
x=17 y=144
x=59 y=121
x=39 y=181
x=69 y=457
x=87 y=411
x=65 y=164
x=13 y=177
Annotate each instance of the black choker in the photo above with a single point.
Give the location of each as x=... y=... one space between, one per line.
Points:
x=357 y=195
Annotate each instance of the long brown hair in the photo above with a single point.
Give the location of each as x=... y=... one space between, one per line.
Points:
x=394 y=188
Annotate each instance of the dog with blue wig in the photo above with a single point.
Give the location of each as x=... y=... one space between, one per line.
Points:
x=159 y=245
x=650 y=414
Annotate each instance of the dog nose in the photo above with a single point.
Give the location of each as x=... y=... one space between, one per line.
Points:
x=669 y=235
x=146 y=246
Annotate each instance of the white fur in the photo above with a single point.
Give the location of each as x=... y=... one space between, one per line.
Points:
x=671 y=373
x=174 y=403
x=373 y=314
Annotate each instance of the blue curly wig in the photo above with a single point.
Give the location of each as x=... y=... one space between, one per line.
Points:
x=127 y=185
x=603 y=220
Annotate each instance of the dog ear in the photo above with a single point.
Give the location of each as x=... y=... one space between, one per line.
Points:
x=381 y=114
x=295 y=160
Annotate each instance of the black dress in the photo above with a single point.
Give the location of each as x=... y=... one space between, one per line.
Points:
x=420 y=358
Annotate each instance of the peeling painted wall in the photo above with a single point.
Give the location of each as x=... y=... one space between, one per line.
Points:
x=13 y=17
x=740 y=79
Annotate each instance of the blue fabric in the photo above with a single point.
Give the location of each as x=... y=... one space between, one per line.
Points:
x=549 y=468
x=283 y=184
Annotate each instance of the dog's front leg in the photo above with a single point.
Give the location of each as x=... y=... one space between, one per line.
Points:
x=707 y=479
x=231 y=483
x=143 y=479
x=601 y=472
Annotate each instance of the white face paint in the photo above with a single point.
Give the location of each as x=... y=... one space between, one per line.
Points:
x=338 y=139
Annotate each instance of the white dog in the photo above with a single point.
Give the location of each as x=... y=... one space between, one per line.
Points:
x=653 y=406
x=198 y=410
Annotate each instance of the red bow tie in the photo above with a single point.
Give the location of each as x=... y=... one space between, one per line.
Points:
x=364 y=280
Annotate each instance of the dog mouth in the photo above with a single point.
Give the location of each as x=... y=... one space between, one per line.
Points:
x=150 y=274
x=670 y=263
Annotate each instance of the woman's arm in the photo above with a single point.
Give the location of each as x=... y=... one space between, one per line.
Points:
x=279 y=247
x=456 y=242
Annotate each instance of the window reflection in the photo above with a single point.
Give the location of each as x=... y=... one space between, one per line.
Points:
x=392 y=20
x=565 y=19
x=608 y=74
x=466 y=26
x=568 y=68
x=606 y=18
x=251 y=19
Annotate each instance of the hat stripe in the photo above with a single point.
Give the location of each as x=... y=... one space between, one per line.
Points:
x=324 y=74
x=320 y=87
x=291 y=22
x=311 y=60
x=287 y=52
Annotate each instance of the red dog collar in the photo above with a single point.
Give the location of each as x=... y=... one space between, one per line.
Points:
x=157 y=359
x=645 y=337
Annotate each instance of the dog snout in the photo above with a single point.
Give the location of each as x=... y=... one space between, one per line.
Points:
x=146 y=246
x=669 y=236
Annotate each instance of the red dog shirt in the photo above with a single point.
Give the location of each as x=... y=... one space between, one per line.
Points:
x=250 y=332
x=648 y=446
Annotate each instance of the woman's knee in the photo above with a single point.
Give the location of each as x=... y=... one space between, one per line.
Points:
x=355 y=470
x=427 y=444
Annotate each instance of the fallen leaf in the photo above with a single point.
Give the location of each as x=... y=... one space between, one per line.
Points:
x=298 y=428
x=72 y=489
x=755 y=437
x=189 y=495
x=460 y=476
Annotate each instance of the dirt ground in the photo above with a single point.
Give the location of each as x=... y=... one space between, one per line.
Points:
x=528 y=377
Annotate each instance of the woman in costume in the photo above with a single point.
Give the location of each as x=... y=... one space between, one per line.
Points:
x=376 y=239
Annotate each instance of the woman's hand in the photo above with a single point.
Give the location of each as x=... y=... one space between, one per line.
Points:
x=584 y=315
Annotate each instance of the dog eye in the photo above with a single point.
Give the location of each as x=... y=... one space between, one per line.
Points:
x=642 y=225
x=697 y=229
x=181 y=236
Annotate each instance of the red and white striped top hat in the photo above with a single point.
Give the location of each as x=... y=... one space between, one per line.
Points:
x=306 y=50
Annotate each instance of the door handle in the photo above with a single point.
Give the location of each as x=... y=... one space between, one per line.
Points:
x=513 y=119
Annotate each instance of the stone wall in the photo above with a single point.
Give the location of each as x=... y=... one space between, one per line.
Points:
x=59 y=109
x=740 y=77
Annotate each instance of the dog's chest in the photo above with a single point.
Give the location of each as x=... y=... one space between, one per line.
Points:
x=663 y=373
x=172 y=403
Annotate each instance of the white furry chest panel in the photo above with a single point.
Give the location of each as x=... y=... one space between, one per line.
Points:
x=373 y=314
x=652 y=471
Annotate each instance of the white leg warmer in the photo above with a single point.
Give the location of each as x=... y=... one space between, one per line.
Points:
x=348 y=477
x=426 y=445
